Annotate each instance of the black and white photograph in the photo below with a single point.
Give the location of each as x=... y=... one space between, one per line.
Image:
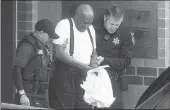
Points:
x=92 y=55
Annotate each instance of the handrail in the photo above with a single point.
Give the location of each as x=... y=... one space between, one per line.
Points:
x=14 y=106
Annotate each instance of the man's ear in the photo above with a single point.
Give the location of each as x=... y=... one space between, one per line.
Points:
x=41 y=32
x=122 y=19
x=104 y=17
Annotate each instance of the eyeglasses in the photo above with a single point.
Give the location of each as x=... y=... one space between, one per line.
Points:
x=87 y=23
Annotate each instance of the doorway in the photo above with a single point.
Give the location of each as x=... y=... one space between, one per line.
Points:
x=8 y=23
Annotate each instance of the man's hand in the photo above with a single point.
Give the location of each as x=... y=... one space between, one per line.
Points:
x=24 y=100
x=100 y=60
x=87 y=68
x=94 y=61
x=94 y=65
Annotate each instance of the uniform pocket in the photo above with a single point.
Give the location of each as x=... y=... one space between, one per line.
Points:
x=123 y=84
x=28 y=76
x=41 y=74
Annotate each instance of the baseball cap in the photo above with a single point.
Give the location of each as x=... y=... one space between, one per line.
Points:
x=46 y=26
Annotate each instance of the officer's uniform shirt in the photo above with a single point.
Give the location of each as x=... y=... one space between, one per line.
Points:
x=82 y=43
x=116 y=48
x=24 y=53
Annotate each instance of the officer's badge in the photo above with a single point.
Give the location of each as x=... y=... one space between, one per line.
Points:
x=106 y=37
x=40 y=52
x=115 y=41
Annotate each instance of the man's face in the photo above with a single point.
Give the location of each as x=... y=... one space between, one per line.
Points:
x=111 y=23
x=85 y=22
x=44 y=37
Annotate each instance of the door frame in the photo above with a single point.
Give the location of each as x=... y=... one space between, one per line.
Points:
x=8 y=47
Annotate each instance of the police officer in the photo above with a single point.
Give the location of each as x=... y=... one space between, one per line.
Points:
x=33 y=65
x=114 y=46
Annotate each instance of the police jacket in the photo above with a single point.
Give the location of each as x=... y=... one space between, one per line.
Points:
x=39 y=65
x=116 y=48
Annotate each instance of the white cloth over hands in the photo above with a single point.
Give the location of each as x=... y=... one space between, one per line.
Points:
x=98 y=88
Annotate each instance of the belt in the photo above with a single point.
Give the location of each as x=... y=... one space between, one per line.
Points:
x=113 y=75
x=116 y=76
x=35 y=86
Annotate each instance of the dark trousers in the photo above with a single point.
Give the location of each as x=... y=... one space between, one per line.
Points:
x=118 y=103
x=64 y=89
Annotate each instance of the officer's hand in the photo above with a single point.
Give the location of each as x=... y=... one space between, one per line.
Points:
x=24 y=100
x=100 y=59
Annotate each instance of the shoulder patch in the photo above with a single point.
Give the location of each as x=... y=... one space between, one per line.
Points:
x=133 y=38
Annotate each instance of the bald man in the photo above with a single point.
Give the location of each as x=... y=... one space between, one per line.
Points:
x=65 y=91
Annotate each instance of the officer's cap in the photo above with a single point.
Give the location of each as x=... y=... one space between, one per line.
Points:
x=46 y=26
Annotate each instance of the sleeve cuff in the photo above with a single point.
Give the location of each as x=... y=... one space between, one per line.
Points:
x=20 y=62
x=21 y=91
x=105 y=62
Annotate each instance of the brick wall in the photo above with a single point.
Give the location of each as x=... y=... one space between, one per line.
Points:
x=51 y=10
x=29 y=12
x=26 y=18
x=142 y=72
x=146 y=70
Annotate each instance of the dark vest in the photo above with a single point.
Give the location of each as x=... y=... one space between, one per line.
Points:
x=38 y=68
